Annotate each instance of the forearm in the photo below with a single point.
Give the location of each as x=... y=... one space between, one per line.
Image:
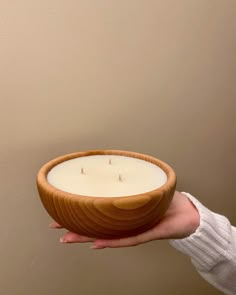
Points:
x=212 y=249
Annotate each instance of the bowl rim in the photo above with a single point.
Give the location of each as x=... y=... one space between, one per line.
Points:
x=42 y=181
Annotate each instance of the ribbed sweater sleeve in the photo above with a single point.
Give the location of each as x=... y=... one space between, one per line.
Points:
x=212 y=249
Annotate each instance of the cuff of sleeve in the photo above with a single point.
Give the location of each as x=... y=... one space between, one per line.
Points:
x=208 y=244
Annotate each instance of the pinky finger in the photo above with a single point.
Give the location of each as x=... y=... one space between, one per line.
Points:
x=126 y=242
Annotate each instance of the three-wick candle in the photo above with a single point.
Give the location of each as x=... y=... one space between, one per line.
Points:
x=106 y=176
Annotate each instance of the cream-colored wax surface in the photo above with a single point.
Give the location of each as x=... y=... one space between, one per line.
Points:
x=106 y=176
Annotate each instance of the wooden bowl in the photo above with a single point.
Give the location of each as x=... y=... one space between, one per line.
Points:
x=106 y=217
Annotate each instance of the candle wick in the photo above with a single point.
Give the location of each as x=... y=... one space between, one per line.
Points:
x=120 y=178
x=82 y=171
x=110 y=162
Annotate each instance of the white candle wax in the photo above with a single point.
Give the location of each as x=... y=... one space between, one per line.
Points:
x=106 y=176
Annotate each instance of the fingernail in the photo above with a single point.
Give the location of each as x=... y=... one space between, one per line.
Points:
x=53 y=225
x=63 y=240
x=93 y=247
x=97 y=247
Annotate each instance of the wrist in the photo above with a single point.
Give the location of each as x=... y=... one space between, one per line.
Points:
x=193 y=218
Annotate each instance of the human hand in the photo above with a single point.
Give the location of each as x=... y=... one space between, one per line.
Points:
x=180 y=220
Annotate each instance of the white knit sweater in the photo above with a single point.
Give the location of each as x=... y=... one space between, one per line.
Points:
x=212 y=249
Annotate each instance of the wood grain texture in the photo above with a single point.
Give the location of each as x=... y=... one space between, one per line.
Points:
x=104 y=217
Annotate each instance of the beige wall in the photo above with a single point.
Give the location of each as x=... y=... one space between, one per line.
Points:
x=150 y=76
